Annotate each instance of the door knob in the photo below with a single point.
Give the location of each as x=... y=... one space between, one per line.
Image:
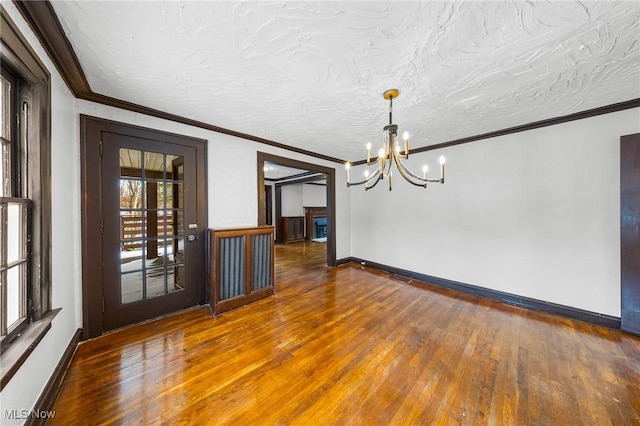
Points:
x=191 y=238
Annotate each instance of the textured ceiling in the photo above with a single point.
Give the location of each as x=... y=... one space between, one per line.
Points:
x=311 y=74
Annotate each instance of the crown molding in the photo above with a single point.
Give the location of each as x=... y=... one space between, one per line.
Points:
x=633 y=103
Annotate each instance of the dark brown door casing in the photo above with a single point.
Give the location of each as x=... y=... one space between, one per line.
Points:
x=168 y=265
x=268 y=204
x=630 y=232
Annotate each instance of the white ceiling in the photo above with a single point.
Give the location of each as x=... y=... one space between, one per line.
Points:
x=311 y=74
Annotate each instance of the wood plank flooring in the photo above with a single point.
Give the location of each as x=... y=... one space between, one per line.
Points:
x=352 y=346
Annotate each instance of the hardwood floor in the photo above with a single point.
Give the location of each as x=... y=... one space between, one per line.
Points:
x=351 y=346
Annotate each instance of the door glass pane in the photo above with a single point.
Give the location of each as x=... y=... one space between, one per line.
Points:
x=156 y=255
x=162 y=251
x=174 y=195
x=131 y=286
x=130 y=193
x=176 y=226
x=178 y=277
x=158 y=195
x=130 y=163
x=175 y=251
x=14 y=284
x=174 y=167
x=162 y=224
x=151 y=259
x=130 y=229
x=153 y=165
x=155 y=282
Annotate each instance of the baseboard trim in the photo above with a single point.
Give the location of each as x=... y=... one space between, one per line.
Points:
x=508 y=298
x=343 y=261
x=51 y=390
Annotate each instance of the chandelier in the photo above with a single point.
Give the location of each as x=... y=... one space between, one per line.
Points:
x=390 y=153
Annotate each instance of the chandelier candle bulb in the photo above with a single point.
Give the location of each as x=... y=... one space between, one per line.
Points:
x=425 y=169
x=348 y=167
x=405 y=136
x=368 y=152
x=442 y=169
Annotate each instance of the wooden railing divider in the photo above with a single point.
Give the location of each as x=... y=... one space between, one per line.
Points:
x=241 y=266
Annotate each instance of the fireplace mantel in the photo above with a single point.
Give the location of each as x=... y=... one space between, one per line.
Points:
x=310 y=213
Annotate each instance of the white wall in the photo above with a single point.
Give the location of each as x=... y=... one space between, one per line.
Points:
x=25 y=387
x=534 y=213
x=297 y=196
x=315 y=195
x=291 y=199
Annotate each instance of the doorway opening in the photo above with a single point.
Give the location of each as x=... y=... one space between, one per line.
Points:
x=309 y=222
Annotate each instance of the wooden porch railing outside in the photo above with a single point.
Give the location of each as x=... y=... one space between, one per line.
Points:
x=131 y=231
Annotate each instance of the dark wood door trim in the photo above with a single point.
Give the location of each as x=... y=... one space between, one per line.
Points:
x=91 y=129
x=331 y=196
x=269 y=204
x=630 y=233
x=278 y=218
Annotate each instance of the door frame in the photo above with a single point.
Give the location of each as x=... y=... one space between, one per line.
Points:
x=91 y=129
x=278 y=186
x=629 y=234
x=331 y=195
x=268 y=191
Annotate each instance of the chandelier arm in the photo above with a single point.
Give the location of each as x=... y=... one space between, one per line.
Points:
x=366 y=188
x=390 y=162
x=407 y=175
x=401 y=165
x=369 y=179
x=413 y=175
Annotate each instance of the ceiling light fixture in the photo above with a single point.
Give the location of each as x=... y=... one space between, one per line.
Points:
x=390 y=153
